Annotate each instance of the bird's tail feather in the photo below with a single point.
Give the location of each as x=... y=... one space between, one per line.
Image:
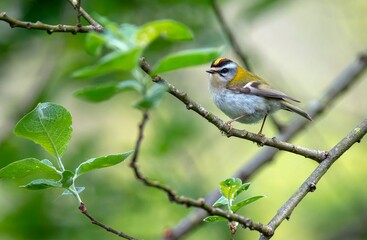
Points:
x=290 y=107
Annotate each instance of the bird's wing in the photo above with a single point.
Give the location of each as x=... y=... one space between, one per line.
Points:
x=260 y=89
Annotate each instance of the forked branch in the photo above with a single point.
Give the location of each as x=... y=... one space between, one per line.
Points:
x=78 y=28
x=186 y=201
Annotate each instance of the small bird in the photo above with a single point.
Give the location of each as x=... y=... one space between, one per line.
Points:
x=244 y=96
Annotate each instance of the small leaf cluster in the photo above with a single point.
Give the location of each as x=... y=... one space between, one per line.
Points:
x=49 y=125
x=122 y=46
x=230 y=190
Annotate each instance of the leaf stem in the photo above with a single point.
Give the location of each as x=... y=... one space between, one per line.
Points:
x=73 y=190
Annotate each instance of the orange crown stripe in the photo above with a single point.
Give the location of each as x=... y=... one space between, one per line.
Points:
x=216 y=62
x=220 y=62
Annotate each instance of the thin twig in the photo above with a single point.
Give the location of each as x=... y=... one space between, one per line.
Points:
x=317 y=155
x=79 y=14
x=45 y=27
x=188 y=202
x=98 y=27
x=344 y=81
x=309 y=185
x=231 y=38
x=83 y=209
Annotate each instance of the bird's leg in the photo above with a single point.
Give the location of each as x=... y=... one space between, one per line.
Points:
x=262 y=141
x=229 y=123
x=262 y=125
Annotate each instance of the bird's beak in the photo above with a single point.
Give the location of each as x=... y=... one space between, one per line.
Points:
x=210 y=71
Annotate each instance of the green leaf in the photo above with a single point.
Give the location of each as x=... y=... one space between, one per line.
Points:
x=186 y=58
x=229 y=186
x=152 y=98
x=128 y=32
x=40 y=184
x=29 y=167
x=101 y=162
x=107 y=91
x=168 y=29
x=94 y=43
x=221 y=201
x=114 y=34
x=243 y=188
x=48 y=163
x=108 y=25
x=215 y=219
x=245 y=202
x=120 y=37
x=67 y=178
x=114 y=61
x=49 y=125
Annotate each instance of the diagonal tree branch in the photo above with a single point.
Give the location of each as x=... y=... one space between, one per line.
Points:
x=317 y=155
x=355 y=136
x=340 y=85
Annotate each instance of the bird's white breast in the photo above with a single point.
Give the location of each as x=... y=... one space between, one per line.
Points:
x=253 y=108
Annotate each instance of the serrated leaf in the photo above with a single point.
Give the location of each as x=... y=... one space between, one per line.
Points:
x=107 y=91
x=29 y=167
x=94 y=43
x=112 y=62
x=243 y=188
x=68 y=192
x=168 y=29
x=40 y=184
x=229 y=186
x=215 y=219
x=245 y=202
x=152 y=98
x=186 y=58
x=67 y=178
x=101 y=162
x=221 y=201
x=49 y=125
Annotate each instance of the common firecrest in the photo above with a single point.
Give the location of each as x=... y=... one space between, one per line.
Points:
x=244 y=96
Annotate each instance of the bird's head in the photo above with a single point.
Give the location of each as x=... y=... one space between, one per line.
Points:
x=226 y=73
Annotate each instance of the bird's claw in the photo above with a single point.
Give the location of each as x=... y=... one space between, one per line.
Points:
x=229 y=124
x=262 y=140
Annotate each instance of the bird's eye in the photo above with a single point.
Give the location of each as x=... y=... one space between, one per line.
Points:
x=224 y=70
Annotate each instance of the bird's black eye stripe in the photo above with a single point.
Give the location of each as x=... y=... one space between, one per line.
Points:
x=224 y=70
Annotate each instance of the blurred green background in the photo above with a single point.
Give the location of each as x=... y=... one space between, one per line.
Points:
x=299 y=46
